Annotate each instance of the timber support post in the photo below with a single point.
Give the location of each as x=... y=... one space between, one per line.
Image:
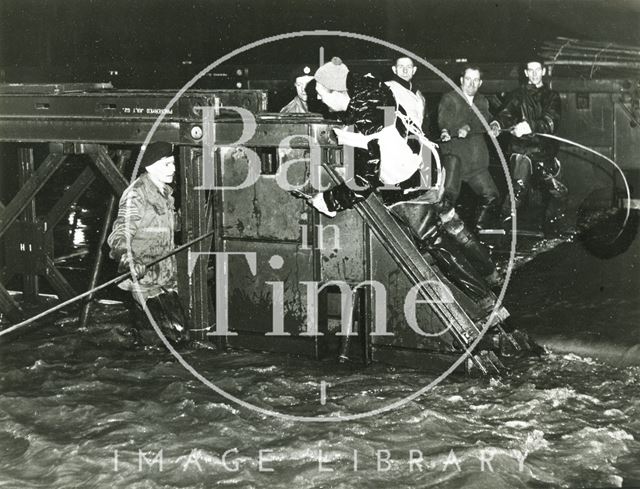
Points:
x=122 y=158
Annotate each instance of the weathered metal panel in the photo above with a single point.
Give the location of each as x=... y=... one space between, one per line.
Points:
x=26 y=247
x=627 y=142
x=341 y=241
x=250 y=297
x=587 y=118
x=262 y=210
x=386 y=271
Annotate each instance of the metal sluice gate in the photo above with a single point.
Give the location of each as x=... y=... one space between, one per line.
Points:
x=275 y=246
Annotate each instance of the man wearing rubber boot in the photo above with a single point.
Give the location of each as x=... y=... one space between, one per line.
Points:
x=530 y=110
x=143 y=232
x=387 y=159
x=464 y=151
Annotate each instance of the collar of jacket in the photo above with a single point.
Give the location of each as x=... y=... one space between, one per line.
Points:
x=406 y=84
x=153 y=191
x=532 y=87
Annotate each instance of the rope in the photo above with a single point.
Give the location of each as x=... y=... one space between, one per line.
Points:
x=613 y=163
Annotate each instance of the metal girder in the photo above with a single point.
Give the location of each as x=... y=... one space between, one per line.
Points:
x=88 y=130
x=228 y=131
x=138 y=104
x=51 y=163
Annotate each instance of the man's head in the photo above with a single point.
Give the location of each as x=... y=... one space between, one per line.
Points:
x=471 y=80
x=159 y=162
x=301 y=85
x=404 y=68
x=331 y=84
x=534 y=71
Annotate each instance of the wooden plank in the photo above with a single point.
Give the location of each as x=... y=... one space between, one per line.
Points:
x=77 y=188
x=110 y=171
x=24 y=196
x=122 y=157
x=58 y=282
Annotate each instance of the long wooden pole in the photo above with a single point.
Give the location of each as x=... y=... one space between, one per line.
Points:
x=116 y=280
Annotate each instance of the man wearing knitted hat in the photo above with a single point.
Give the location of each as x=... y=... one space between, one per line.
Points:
x=386 y=158
x=143 y=232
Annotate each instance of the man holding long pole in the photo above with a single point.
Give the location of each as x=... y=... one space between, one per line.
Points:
x=143 y=232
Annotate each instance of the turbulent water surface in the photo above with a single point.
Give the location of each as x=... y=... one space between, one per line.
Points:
x=84 y=410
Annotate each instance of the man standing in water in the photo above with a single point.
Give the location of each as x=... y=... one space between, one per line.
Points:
x=143 y=232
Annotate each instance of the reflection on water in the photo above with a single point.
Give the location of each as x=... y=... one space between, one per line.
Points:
x=84 y=410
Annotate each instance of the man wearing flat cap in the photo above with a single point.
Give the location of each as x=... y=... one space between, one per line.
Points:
x=143 y=232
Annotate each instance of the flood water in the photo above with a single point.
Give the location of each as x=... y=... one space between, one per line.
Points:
x=84 y=410
x=87 y=409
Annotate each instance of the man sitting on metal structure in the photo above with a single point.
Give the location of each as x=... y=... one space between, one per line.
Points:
x=532 y=109
x=143 y=232
x=386 y=161
x=464 y=151
x=298 y=104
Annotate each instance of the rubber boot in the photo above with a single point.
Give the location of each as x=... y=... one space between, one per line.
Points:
x=167 y=312
x=487 y=214
x=522 y=172
x=473 y=250
x=550 y=173
x=459 y=271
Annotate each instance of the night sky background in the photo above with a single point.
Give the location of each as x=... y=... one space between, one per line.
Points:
x=162 y=43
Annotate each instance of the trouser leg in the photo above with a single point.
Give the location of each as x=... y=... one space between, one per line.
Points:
x=553 y=191
x=521 y=169
x=453 y=263
x=453 y=177
x=168 y=314
x=483 y=185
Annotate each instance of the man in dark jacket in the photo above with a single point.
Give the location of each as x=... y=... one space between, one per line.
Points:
x=464 y=150
x=530 y=110
x=386 y=155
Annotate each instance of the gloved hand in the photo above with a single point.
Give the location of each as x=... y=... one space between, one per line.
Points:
x=495 y=128
x=130 y=264
x=318 y=202
x=521 y=129
x=445 y=136
x=463 y=131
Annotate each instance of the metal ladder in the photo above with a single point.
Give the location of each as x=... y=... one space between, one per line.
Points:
x=403 y=250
